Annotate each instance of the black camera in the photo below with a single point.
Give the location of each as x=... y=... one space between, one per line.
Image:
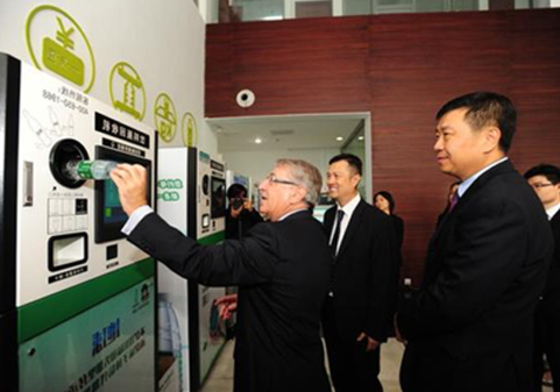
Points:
x=236 y=203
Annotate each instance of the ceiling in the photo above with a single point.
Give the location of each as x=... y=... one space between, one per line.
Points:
x=283 y=132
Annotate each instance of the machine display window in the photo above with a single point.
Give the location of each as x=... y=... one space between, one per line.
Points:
x=218 y=197
x=109 y=214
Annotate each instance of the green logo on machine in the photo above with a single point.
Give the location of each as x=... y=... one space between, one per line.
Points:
x=127 y=90
x=189 y=130
x=168 y=184
x=57 y=43
x=165 y=117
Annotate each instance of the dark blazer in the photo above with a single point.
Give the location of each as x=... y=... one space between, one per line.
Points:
x=551 y=297
x=398 y=224
x=364 y=278
x=282 y=269
x=237 y=228
x=470 y=326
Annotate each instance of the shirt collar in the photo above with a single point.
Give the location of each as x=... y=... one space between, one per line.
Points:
x=469 y=181
x=552 y=211
x=350 y=206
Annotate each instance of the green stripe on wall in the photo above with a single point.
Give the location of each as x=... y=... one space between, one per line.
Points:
x=213 y=239
x=41 y=315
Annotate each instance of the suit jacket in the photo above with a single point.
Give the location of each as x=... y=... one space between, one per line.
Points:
x=551 y=297
x=282 y=269
x=364 y=277
x=398 y=224
x=485 y=269
x=237 y=228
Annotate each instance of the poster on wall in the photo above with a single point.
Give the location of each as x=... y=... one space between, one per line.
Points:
x=109 y=347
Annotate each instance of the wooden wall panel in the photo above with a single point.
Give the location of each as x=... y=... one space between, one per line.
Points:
x=414 y=69
x=307 y=65
x=401 y=68
x=535 y=88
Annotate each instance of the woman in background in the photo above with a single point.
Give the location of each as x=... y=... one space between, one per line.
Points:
x=385 y=202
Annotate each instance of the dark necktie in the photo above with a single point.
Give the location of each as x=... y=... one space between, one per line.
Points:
x=334 y=242
x=454 y=200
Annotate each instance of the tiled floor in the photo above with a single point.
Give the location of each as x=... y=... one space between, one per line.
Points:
x=221 y=377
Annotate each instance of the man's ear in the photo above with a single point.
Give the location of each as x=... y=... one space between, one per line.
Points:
x=492 y=136
x=298 y=195
x=356 y=178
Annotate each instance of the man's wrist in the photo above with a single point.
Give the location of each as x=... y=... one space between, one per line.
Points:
x=136 y=217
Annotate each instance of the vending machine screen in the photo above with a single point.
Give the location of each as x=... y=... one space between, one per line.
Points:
x=218 y=197
x=109 y=215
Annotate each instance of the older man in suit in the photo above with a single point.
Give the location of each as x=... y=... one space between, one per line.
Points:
x=470 y=326
x=281 y=268
x=545 y=180
x=359 y=308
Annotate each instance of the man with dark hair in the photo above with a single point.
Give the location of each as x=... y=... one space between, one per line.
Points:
x=241 y=216
x=470 y=325
x=282 y=270
x=359 y=307
x=545 y=180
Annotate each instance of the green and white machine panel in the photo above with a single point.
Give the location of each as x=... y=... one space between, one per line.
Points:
x=109 y=347
x=69 y=230
x=77 y=303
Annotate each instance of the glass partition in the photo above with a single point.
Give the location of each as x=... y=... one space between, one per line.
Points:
x=228 y=11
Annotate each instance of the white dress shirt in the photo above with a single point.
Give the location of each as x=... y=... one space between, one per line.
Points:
x=348 y=211
x=135 y=218
x=553 y=211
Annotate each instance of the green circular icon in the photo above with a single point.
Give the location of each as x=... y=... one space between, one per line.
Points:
x=189 y=130
x=59 y=50
x=165 y=117
x=124 y=85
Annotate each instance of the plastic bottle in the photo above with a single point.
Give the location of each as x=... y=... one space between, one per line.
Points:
x=90 y=170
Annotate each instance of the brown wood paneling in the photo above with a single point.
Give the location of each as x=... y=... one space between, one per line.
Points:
x=293 y=66
x=415 y=68
x=401 y=68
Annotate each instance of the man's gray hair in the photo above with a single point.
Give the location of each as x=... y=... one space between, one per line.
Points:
x=306 y=175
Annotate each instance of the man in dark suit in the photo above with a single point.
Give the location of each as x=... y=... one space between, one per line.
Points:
x=545 y=180
x=282 y=270
x=470 y=326
x=359 y=308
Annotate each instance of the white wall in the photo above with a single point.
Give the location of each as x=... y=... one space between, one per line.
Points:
x=163 y=41
x=258 y=164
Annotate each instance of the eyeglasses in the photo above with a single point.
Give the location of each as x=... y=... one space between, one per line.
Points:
x=273 y=180
x=539 y=185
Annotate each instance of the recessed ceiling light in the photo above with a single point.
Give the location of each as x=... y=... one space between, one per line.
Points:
x=258 y=140
x=339 y=138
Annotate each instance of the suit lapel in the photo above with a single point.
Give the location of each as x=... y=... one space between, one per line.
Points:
x=329 y=222
x=555 y=221
x=353 y=225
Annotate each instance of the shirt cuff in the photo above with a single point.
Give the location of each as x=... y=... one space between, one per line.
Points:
x=135 y=218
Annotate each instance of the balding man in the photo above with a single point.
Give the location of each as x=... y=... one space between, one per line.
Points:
x=282 y=269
